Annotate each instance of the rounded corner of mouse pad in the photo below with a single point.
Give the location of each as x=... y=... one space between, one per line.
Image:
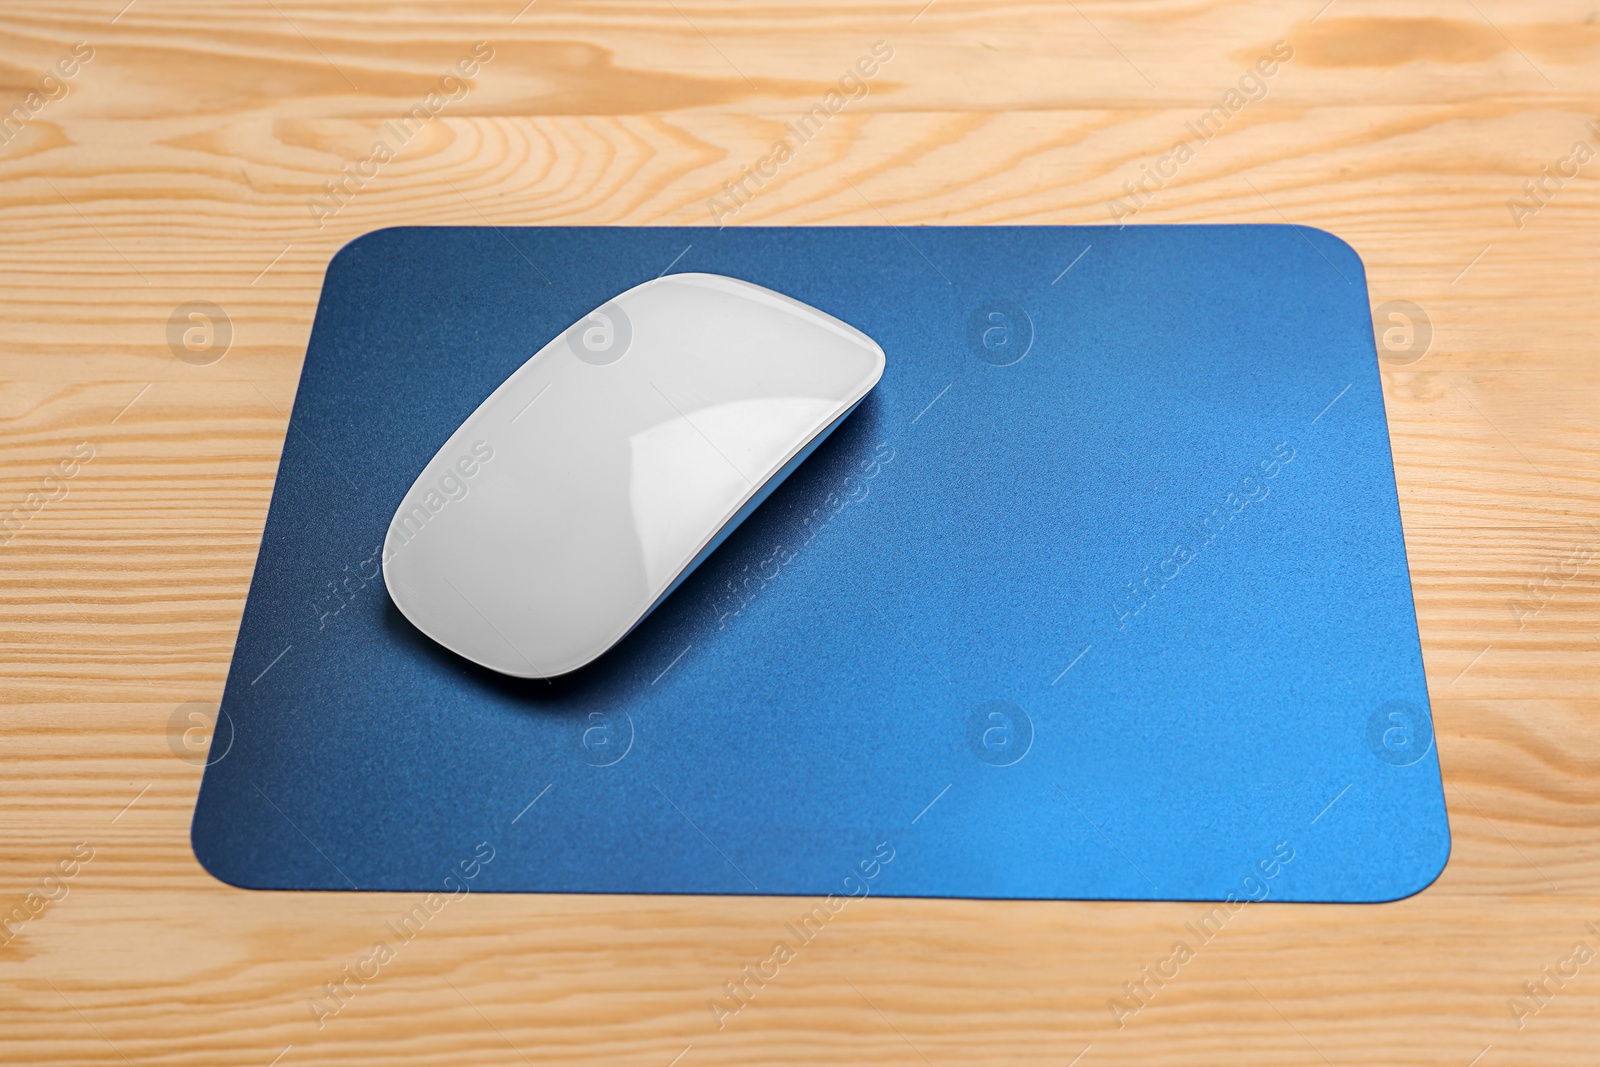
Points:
x=1101 y=593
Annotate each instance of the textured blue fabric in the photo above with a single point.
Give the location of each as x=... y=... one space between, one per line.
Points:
x=1100 y=594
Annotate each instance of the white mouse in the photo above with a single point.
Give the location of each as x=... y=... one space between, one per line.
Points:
x=608 y=466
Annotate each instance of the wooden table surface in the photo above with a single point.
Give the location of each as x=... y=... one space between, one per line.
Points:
x=180 y=153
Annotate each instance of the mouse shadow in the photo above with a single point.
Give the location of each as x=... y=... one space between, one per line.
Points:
x=692 y=617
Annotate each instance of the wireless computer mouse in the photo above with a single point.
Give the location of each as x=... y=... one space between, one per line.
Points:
x=601 y=473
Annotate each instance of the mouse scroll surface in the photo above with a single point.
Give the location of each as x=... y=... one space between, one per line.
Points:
x=595 y=476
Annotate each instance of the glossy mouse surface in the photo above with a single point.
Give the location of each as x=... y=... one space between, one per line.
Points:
x=600 y=474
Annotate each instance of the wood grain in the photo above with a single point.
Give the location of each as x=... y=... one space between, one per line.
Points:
x=178 y=166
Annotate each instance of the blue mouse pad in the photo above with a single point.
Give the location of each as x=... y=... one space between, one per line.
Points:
x=1100 y=594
